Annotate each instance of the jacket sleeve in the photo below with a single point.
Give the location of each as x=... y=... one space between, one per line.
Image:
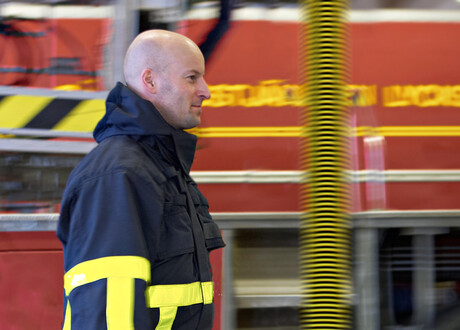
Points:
x=107 y=262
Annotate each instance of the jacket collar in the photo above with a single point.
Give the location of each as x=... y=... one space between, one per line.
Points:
x=129 y=114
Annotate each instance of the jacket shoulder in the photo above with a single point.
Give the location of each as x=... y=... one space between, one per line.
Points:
x=115 y=154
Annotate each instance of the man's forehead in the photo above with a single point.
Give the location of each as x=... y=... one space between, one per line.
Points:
x=192 y=63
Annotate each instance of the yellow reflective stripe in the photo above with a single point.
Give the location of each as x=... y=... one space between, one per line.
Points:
x=120 y=304
x=174 y=295
x=208 y=292
x=167 y=316
x=83 y=117
x=17 y=111
x=222 y=132
x=107 y=267
x=68 y=315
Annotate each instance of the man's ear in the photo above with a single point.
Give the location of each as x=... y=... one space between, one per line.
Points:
x=148 y=80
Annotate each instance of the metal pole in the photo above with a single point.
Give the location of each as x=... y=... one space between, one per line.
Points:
x=228 y=309
x=424 y=280
x=367 y=279
x=125 y=28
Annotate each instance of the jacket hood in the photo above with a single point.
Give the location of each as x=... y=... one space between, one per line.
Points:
x=129 y=114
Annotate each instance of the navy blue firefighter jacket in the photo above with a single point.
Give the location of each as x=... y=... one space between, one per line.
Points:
x=135 y=229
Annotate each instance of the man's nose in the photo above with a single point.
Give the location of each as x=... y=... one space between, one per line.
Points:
x=203 y=90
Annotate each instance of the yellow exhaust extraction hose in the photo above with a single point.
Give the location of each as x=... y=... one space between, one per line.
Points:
x=325 y=232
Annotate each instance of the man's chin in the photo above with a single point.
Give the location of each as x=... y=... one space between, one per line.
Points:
x=192 y=123
x=197 y=121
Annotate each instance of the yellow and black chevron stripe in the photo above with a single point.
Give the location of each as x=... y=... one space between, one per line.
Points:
x=48 y=112
x=325 y=233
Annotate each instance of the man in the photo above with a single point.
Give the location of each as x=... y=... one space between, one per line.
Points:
x=135 y=229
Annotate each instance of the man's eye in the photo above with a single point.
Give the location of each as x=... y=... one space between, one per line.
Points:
x=192 y=78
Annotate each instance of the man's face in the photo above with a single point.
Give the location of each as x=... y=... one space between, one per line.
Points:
x=181 y=89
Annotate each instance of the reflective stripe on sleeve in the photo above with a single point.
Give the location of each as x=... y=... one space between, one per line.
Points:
x=107 y=267
x=67 y=320
x=120 y=272
x=120 y=303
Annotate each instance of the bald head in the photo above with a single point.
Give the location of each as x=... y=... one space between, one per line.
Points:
x=167 y=69
x=155 y=50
